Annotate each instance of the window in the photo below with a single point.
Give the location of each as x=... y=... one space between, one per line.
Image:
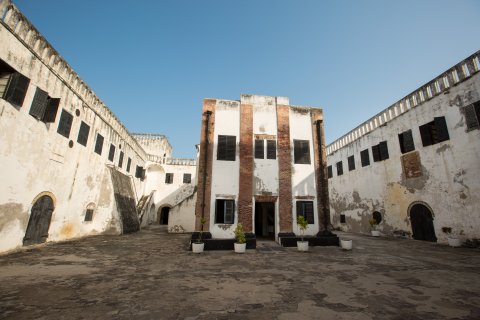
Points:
x=226 y=148
x=343 y=218
x=305 y=208
x=13 y=85
x=380 y=151
x=472 y=116
x=65 y=124
x=329 y=172
x=434 y=132
x=406 y=141
x=224 y=211
x=271 y=149
x=365 y=158
x=377 y=216
x=140 y=173
x=169 y=178
x=129 y=163
x=301 y=151
x=83 y=133
x=339 y=168
x=351 y=163
x=120 y=160
x=99 y=144
x=89 y=215
x=187 y=178
x=111 y=153
x=259 y=149
x=44 y=108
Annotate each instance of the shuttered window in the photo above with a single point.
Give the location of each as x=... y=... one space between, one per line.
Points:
x=472 y=116
x=169 y=178
x=271 y=149
x=339 y=168
x=305 y=208
x=329 y=172
x=89 y=215
x=129 y=163
x=406 y=141
x=259 y=149
x=16 y=89
x=187 y=178
x=140 y=173
x=365 y=158
x=380 y=151
x=351 y=163
x=226 y=148
x=83 y=133
x=99 y=144
x=434 y=132
x=39 y=104
x=51 y=111
x=376 y=153
x=111 y=153
x=224 y=211
x=120 y=159
x=301 y=151
x=65 y=124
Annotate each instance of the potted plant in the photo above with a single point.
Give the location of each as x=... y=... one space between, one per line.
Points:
x=373 y=224
x=303 y=225
x=240 y=245
x=198 y=246
x=346 y=244
x=453 y=240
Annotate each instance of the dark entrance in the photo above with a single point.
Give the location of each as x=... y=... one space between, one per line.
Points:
x=164 y=215
x=265 y=220
x=39 y=222
x=422 y=223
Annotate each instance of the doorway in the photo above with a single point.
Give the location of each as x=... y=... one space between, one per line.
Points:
x=39 y=222
x=164 y=215
x=422 y=223
x=265 y=220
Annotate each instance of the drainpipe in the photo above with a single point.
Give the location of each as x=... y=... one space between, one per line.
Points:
x=204 y=182
x=324 y=191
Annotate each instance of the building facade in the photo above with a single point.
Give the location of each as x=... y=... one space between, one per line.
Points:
x=261 y=163
x=415 y=166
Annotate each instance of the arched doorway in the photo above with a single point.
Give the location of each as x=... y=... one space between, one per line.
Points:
x=39 y=222
x=164 y=215
x=421 y=219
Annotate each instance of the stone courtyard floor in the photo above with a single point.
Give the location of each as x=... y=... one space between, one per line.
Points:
x=151 y=275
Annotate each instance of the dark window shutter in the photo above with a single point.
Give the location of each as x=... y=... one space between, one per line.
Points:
x=187 y=178
x=339 y=168
x=406 y=141
x=329 y=172
x=364 y=156
x=219 y=210
x=51 y=111
x=301 y=151
x=271 y=149
x=471 y=117
x=144 y=171
x=120 y=160
x=229 y=211
x=89 y=215
x=299 y=208
x=111 y=152
x=83 y=133
x=221 y=148
x=231 y=146
x=17 y=89
x=426 y=135
x=351 y=163
x=383 y=150
x=99 y=144
x=442 y=130
x=476 y=105
x=138 y=172
x=376 y=153
x=65 y=124
x=169 y=178
x=39 y=104
x=259 y=149
x=129 y=163
x=226 y=148
x=308 y=213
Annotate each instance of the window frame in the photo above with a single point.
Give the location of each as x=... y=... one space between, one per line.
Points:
x=111 y=153
x=271 y=149
x=365 y=158
x=301 y=151
x=405 y=139
x=83 y=133
x=65 y=124
x=169 y=178
x=226 y=148
x=339 y=166
x=259 y=149
x=228 y=204
x=434 y=132
x=187 y=178
x=301 y=206
x=99 y=144
x=351 y=163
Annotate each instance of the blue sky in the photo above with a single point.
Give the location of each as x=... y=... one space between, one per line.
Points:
x=152 y=62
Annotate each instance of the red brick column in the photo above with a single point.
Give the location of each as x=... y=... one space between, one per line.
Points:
x=284 y=169
x=246 y=168
x=320 y=163
x=205 y=168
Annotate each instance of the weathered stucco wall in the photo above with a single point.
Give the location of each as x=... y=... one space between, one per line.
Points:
x=448 y=177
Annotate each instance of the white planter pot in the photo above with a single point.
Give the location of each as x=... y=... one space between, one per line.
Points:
x=375 y=233
x=346 y=244
x=302 y=245
x=197 y=247
x=454 y=242
x=240 y=247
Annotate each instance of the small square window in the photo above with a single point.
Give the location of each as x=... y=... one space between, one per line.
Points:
x=224 y=211
x=305 y=208
x=65 y=124
x=140 y=173
x=434 y=132
x=406 y=141
x=13 y=85
x=301 y=151
x=226 y=148
x=187 y=178
x=169 y=178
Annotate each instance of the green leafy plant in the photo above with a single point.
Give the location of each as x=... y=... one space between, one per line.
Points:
x=240 y=234
x=373 y=223
x=302 y=224
x=202 y=223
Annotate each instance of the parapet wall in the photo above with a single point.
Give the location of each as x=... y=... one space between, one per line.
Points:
x=31 y=38
x=441 y=84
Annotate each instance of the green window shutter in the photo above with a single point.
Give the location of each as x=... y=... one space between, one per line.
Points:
x=83 y=134
x=51 y=111
x=442 y=130
x=65 y=124
x=39 y=104
x=17 y=89
x=383 y=148
x=376 y=153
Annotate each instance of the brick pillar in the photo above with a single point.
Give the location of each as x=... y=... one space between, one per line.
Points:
x=284 y=169
x=320 y=163
x=246 y=168
x=204 y=176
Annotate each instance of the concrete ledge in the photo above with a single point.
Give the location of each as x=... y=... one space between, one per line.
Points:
x=324 y=240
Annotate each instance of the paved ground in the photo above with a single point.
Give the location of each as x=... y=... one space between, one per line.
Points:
x=151 y=275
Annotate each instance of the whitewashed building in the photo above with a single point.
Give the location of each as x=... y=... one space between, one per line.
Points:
x=261 y=164
x=415 y=166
